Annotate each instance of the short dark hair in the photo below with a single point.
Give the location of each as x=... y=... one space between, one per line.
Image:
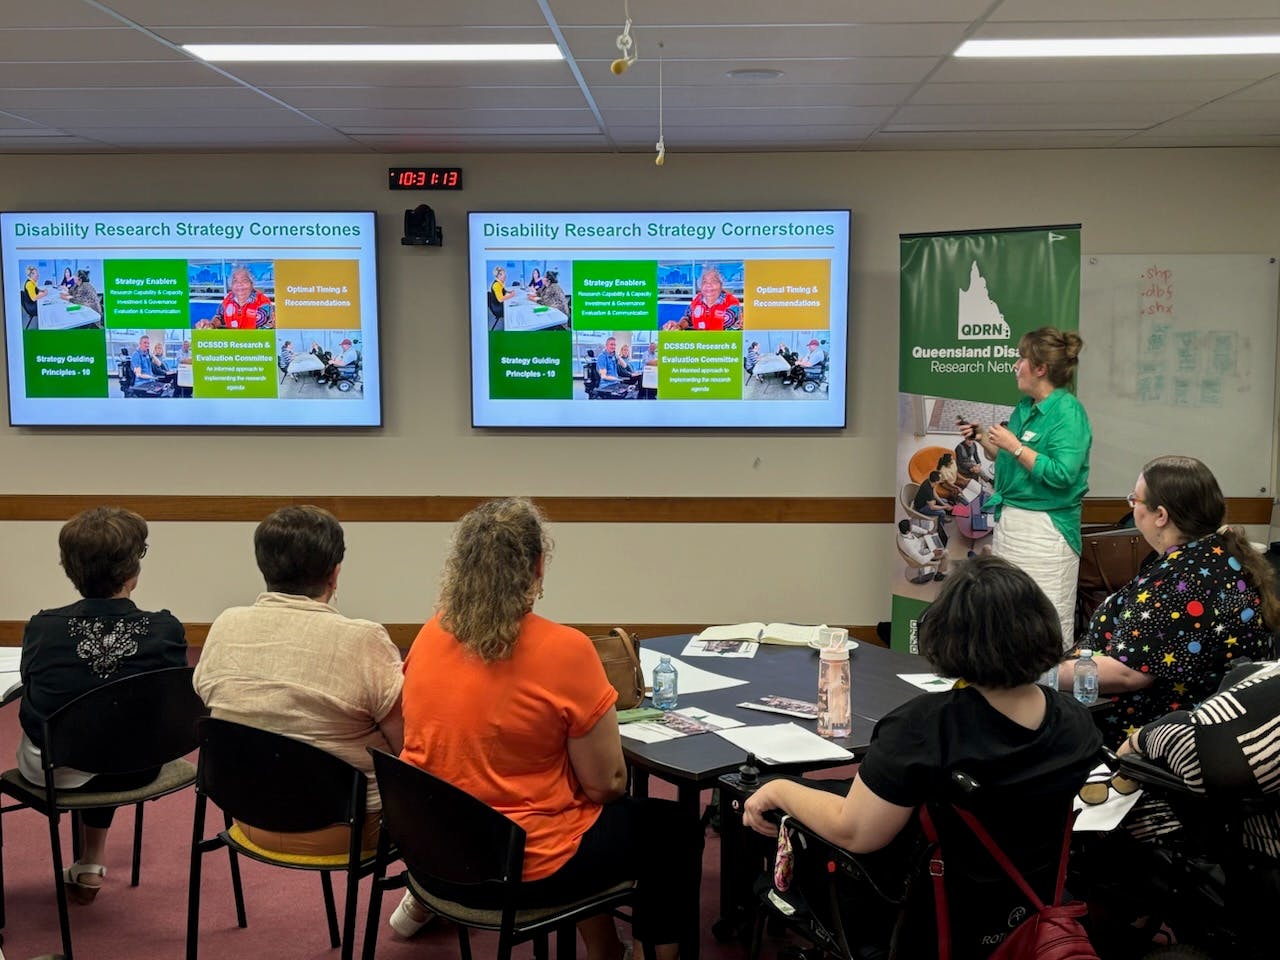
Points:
x=934 y=476
x=991 y=625
x=904 y=526
x=298 y=548
x=101 y=550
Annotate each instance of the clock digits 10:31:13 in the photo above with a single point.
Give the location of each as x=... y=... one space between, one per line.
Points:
x=425 y=178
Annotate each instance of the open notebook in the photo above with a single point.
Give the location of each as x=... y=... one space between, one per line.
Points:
x=787 y=634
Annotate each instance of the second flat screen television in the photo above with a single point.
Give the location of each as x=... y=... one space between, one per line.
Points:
x=733 y=319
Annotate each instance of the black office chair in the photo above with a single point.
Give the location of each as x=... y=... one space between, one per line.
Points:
x=137 y=723
x=456 y=849
x=31 y=309
x=280 y=784
x=590 y=375
x=497 y=310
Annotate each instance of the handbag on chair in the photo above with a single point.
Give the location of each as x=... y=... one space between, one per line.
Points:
x=619 y=652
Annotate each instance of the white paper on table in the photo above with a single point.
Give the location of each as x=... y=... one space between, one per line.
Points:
x=10 y=660
x=784 y=743
x=928 y=682
x=720 y=648
x=1104 y=816
x=678 y=723
x=690 y=679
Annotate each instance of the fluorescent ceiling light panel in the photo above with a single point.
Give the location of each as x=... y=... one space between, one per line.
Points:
x=1122 y=47
x=372 y=52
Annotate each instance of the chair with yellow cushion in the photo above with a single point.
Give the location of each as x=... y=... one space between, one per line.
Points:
x=278 y=784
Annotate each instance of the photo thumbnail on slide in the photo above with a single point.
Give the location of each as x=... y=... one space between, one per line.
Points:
x=529 y=295
x=779 y=363
x=322 y=364
x=189 y=306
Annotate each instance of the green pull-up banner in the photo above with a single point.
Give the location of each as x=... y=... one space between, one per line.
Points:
x=966 y=300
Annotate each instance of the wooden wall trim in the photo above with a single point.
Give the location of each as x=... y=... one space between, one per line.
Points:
x=402 y=634
x=391 y=509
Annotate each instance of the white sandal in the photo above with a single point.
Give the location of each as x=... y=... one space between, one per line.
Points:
x=80 y=891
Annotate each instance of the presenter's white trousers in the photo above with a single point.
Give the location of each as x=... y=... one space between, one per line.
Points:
x=1029 y=540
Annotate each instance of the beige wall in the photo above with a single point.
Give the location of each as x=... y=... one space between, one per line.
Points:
x=1194 y=201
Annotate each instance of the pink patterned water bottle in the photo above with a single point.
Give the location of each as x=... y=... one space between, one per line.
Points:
x=835 y=715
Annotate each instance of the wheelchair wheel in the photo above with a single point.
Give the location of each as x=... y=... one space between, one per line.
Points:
x=345 y=385
x=809 y=386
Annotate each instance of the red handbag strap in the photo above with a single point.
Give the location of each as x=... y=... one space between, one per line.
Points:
x=936 y=869
x=1006 y=864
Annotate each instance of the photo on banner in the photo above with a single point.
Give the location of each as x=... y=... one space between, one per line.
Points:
x=966 y=300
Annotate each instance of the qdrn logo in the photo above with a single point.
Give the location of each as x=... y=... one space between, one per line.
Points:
x=978 y=317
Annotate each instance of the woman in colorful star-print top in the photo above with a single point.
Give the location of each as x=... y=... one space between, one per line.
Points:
x=1169 y=635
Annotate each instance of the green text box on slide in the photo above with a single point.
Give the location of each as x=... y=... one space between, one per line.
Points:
x=146 y=294
x=530 y=366
x=65 y=363
x=615 y=294
x=227 y=364
x=699 y=365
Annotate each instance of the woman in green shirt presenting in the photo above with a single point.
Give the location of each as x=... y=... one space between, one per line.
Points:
x=1042 y=470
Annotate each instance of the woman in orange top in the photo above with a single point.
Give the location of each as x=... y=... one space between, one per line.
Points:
x=517 y=711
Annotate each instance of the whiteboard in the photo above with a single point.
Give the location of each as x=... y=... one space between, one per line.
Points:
x=1179 y=357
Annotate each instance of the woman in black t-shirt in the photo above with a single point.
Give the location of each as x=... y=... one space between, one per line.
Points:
x=1029 y=748
x=71 y=650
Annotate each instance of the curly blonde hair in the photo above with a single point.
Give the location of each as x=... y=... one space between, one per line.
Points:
x=491 y=576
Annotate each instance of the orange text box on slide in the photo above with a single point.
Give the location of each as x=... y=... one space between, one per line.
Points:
x=787 y=295
x=318 y=294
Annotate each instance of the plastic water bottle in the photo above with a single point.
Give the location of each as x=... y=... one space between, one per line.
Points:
x=664 y=685
x=835 y=715
x=1085 y=685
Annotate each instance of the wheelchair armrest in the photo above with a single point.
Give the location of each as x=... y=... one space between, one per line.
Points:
x=1149 y=773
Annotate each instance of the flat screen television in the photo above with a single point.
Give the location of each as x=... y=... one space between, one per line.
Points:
x=186 y=319
x=657 y=320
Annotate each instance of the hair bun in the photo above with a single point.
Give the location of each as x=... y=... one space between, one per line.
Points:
x=1072 y=344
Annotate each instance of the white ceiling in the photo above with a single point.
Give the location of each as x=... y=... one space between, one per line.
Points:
x=83 y=76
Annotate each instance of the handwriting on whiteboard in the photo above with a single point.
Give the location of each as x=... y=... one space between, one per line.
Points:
x=1179 y=362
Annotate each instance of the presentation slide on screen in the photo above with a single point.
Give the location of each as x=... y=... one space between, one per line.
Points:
x=734 y=319
x=228 y=319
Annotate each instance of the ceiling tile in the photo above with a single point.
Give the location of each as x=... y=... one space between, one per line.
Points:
x=388 y=13
x=1107 y=69
x=658 y=13
x=1146 y=91
x=729 y=43
x=1056 y=10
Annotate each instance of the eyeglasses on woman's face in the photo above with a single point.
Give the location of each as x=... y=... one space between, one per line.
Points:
x=143 y=552
x=1134 y=500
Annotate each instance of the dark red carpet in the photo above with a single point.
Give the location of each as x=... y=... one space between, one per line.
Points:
x=285 y=909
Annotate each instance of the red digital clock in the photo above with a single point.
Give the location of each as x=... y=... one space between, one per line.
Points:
x=425 y=178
